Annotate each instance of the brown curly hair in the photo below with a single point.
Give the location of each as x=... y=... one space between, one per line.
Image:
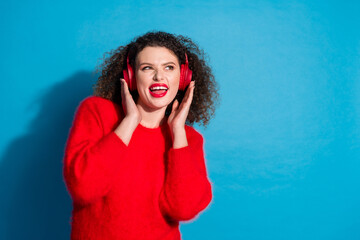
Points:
x=206 y=94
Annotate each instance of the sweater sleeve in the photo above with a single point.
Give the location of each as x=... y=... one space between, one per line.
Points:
x=91 y=157
x=186 y=190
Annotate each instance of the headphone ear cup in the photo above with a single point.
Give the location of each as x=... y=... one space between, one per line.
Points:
x=132 y=80
x=182 y=78
x=129 y=76
x=187 y=77
x=185 y=74
x=126 y=77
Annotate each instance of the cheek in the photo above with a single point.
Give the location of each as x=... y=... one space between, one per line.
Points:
x=174 y=91
x=176 y=80
x=141 y=80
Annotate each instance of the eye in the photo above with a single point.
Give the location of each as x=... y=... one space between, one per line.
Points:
x=146 y=68
x=169 y=67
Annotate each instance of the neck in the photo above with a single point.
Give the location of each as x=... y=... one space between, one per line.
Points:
x=151 y=118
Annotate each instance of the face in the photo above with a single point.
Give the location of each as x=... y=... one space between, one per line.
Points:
x=157 y=75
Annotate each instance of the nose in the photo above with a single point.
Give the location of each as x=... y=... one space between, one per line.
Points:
x=159 y=75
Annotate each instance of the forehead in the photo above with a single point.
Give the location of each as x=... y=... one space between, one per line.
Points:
x=156 y=55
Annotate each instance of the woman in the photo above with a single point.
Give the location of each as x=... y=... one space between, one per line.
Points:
x=132 y=166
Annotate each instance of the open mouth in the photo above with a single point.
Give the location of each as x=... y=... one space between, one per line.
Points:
x=158 y=90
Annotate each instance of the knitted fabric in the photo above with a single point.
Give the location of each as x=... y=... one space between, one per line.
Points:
x=139 y=191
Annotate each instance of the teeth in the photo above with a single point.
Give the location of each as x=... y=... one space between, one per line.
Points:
x=158 y=88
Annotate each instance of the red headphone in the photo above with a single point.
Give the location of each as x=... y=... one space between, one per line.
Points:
x=185 y=75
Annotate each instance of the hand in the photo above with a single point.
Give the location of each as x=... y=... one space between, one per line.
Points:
x=128 y=104
x=132 y=117
x=178 y=115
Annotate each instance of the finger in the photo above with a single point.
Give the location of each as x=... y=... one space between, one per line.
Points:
x=122 y=89
x=191 y=86
x=125 y=86
x=175 y=106
x=123 y=100
x=173 y=110
x=189 y=94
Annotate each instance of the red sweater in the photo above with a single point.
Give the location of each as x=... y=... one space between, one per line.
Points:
x=139 y=191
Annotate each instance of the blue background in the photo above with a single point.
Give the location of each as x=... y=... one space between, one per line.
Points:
x=282 y=152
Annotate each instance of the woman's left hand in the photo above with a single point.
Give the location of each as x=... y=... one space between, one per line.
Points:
x=177 y=118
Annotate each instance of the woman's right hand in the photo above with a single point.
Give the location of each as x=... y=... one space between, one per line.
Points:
x=130 y=109
x=132 y=115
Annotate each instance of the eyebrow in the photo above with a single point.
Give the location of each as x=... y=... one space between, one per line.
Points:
x=145 y=63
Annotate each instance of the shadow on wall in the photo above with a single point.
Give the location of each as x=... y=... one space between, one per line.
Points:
x=34 y=202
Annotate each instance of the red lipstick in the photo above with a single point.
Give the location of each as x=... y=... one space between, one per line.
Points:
x=158 y=90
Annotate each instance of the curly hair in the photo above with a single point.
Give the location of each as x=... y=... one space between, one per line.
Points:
x=206 y=95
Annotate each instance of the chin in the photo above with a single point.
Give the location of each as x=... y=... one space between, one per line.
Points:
x=158 y=103
x=155 y=103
